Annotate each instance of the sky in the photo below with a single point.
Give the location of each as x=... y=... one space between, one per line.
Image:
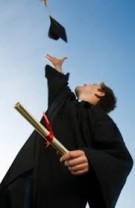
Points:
x=101 y=47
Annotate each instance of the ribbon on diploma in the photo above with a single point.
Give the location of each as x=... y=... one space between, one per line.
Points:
x=50 y=136
x=47 y=134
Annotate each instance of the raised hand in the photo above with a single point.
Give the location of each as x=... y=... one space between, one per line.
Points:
x=57 y=63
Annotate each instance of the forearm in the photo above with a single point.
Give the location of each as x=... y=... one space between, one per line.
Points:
x=59 y=68
x=57 y=82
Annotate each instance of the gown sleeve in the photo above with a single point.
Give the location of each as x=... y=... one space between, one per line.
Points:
x=109 y=158
x=57 y=83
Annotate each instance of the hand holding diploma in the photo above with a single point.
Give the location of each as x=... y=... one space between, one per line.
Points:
x=76 y=161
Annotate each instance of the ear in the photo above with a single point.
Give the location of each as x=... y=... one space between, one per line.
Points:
x=100 y=94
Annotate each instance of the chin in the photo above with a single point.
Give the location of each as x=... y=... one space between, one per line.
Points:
x=77 y=90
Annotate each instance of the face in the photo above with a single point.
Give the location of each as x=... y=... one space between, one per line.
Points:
x=88 y=88
x=90 y=92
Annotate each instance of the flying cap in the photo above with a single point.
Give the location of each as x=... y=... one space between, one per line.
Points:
x=56 y=30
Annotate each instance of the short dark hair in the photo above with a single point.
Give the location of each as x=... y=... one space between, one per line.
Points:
x=108 y=102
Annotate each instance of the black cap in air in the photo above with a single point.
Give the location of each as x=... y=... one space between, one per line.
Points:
x=56 y=30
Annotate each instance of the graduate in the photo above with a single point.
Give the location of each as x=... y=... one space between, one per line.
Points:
x=95 y=168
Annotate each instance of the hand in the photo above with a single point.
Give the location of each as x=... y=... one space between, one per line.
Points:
x=57 y=63
x=76 y=161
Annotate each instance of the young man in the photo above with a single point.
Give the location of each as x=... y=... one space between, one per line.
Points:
x=95 y=168
x=94 y=94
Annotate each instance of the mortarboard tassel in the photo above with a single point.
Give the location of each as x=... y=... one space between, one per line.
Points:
x=44 y=2
x=56 y=30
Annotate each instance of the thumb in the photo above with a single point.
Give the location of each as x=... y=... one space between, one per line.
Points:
x=64 y=59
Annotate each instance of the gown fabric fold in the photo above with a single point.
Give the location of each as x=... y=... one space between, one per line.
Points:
x=37 y=179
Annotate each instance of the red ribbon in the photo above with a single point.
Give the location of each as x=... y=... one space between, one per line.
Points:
x=50 y=136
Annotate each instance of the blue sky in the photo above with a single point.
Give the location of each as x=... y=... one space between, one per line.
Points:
x=101 y=47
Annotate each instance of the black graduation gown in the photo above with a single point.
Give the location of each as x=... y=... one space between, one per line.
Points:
x=37 y=179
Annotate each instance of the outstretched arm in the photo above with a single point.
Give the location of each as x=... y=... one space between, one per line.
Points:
x=57 y=81
x=57 y=63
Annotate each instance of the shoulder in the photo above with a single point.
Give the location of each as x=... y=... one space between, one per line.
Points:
x=97 y=115
x=100 y=114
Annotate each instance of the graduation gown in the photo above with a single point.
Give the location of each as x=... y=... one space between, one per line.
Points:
x=37 y=179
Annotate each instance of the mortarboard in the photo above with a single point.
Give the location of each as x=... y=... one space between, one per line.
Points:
x=56 y=30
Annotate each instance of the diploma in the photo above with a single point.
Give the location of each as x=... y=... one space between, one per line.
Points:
x=40 y=129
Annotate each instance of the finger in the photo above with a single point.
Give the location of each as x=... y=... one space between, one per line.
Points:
x=80 y=167
x=80 y=172
x=66 y=156
x=47 y=55
x=76 y=161
x=64 y=58
x=50 y=58
x=71 y=155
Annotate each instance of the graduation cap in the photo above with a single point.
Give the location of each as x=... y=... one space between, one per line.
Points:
x=56 y=30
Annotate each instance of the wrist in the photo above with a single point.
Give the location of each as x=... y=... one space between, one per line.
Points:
x=58 y=68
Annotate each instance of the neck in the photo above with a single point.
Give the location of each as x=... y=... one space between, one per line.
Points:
x=90 y=99
x=83 y=98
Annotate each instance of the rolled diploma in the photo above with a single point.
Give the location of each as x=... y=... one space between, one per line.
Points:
x=40 y=128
